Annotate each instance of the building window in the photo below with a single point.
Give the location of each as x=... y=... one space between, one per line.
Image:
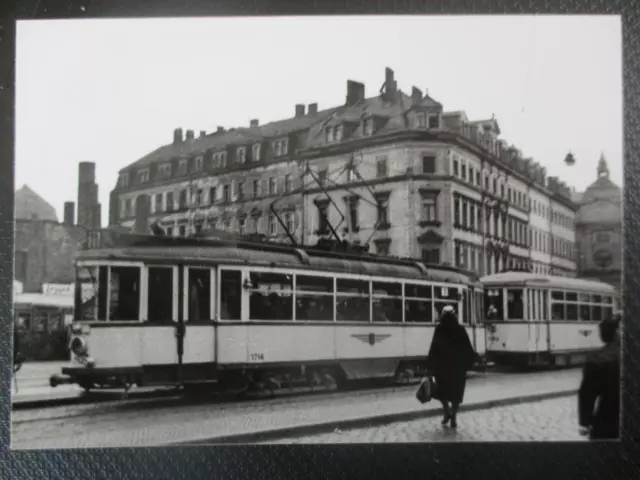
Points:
x=212 y=195
x=223 y=159
x=338 y=135
x=368 y=127
x=272 y=227
x=328 y=132
x=124 y=179
x=182 y=231
x=123 y=207
x=198 y=164
x=164 y=171
x=240 y=189
x=323 y=219
x=242 y=154
x=428 y=208
x=289 y=220
x=495 y=185
x=434 y=121
x=431 y=255
x=428 y=164
x=353 y=214
x=256 y=188
x=182 y=199
x=478 y=183
x=383 y=212
x=486 y=182
x=455 y=167
x=273 y=186
x=182 y=167
x=158 y=207
x=322 y=176
x=170 y=202
x=421 y=120
x=281 y=147
x=456 y=210
x=242 y=225
x=256 y=152
x=226 y=194
x=287 y=183
x=381 y=167
x=143 y=175
x=464 y=170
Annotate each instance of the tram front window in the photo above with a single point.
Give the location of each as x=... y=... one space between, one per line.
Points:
x=515 y=304
x=124 y=294
x=86 y=294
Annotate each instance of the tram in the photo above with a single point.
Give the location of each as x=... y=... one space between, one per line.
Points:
x=536 y=320
x=156 y=310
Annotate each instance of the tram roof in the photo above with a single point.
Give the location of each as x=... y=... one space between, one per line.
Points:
x=548 y=281
x=170 y=250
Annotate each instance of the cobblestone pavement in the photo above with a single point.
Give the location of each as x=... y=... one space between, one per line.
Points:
x=547 y=420
x=93 y=426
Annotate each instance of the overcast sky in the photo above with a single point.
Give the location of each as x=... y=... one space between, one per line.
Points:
x=110 y=91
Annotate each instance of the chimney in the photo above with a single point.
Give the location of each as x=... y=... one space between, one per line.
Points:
x=355 y=92
x=219 y=129
x=300 y=110
x=203 y=133
x=177 y=135
x=313 y=109
x=390 y=85
x=69 y=213
x=141 y=224
x=189 y=134
x=254 y=122
x=416 y=94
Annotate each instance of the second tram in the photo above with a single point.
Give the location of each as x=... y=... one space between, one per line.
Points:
x=544 y=320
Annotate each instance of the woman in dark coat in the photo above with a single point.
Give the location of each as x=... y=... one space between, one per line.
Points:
x=450 y=357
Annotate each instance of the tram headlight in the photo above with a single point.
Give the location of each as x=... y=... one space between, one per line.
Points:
x=78 y=347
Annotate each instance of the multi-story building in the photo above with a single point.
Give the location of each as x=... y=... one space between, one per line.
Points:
x=599 y=229
x=393 y=171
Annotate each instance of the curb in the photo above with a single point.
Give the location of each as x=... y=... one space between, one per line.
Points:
x=81 y=399
x=367 y=422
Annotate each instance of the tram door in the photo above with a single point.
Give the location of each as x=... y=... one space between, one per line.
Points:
x=198 y=292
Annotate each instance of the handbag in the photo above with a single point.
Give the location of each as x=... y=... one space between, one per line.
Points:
x=426 y=390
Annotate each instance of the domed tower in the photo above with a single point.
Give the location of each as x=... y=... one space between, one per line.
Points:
x=599 y=229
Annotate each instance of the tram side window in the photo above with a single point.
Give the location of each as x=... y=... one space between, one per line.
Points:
x=230 y=294
x=494 y=304
x=314 y=298
x=124 y=294
x=271 y=296
x=572 y=306
x=596 y=308
x=352 y=300
x=418 y=303
x=387 y=302
x=444 y=296
x=515 y=304
x=557 y=305
x=584 y=309
x=478 y=306
x=199 y=294
x=160 y=298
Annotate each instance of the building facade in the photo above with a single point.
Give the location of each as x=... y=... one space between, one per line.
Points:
x=599 y=230
x=394 y=172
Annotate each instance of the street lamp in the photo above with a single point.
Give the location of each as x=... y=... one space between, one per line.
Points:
x=569 y=160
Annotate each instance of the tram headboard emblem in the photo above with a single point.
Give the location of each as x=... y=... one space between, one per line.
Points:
x=585 y=333
x=372 y=338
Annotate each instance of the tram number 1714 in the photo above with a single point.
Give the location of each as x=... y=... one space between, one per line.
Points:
x=257 y=356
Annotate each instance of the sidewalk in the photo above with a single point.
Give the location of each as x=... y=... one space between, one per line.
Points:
x=249 y=422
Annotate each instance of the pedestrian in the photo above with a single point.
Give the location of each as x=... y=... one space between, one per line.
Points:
x=599 y=394
x=450 y=357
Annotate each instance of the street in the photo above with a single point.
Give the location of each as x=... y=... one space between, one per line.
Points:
x=124 y=425
x=547 y=420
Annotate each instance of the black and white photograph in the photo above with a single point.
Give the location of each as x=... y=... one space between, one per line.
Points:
x=317 y=230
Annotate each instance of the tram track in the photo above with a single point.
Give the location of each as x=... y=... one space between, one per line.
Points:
x=180 y=400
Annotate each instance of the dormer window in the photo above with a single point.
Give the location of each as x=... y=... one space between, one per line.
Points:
x=256 y=153
x=368 y=127
x=223 y=159
x=421 y=120
x=281 y=147
x=242 y=154
x=164 y=171
x=329 y=134
x=143 y=175
x=338 y=134
x=124 y=179
x=434 y=121
x=198 y=164
x=182 y=167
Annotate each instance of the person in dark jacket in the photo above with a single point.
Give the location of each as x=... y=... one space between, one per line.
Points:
x=450 y=357
x=599 y=394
